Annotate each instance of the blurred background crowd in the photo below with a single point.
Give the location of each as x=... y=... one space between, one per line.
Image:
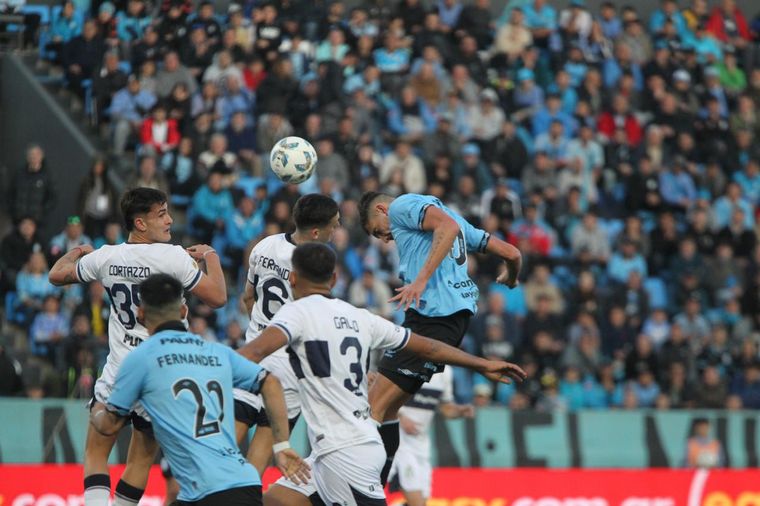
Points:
x=620 y=154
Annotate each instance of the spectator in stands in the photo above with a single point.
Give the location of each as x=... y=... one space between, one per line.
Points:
x=402 y=171
x=64 y=27
x=108 y=80
x=128 y=108
x=271 y=128
x=211 y=206
x=72 y=236
x=11 y=379
x=48 y=331
x=369 y=292
x=112 y=235
x=148 y=48
x=147 y=175
x=511 y=40
x=131 y=24
x=173 y=72
x=626 y=261
x=712 y=391
x=15 y=250
x=241 y=227
x=159 y=133
x=32 y=284
x=217 y=157
x=32 y=192
x=81 y=56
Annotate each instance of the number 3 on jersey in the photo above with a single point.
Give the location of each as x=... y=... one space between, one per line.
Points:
x=125 y=298
x=268 y=293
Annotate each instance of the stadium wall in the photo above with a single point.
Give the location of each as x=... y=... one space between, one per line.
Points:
x=53 y=432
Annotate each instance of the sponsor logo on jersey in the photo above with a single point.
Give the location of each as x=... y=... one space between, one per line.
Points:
x=131 y=340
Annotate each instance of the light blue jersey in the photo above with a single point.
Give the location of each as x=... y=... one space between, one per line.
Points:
x=185 y=385
x=450 y=289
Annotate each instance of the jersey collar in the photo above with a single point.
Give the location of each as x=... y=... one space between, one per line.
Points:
x=289 y=238
x=171 y=325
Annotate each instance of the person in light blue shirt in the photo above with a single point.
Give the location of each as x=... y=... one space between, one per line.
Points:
x=392 y=58
x=543 y=118
x=129 y=107
x=749 y=180
x=625 y=262
x=677 y=187
x=438 y=295
x=131 y=24
x=185 y=385
x=724 y=206
x=448 y=12
x=210 y=206
x=668 y=11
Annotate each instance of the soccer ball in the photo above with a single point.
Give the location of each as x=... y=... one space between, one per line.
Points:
x=293 y=160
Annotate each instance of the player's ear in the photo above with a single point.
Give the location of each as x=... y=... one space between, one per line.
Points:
x=314 y=234
x=333 y=279
x=140 y=225
x=184 y=311
x=381 y=208
x=293 y=279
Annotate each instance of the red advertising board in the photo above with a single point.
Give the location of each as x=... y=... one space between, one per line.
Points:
x=61 y=485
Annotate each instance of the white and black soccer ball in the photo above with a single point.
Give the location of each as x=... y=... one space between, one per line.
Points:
x=293 y=160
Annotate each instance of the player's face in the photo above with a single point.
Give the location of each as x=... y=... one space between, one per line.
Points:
x=326 y=234
x=158 y=223
x=379 y=225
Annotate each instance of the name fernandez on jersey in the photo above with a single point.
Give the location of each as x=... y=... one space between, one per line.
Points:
x=272 y=265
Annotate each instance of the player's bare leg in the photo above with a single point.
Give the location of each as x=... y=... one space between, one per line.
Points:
x=97 y=482
x=260 y=449
x=143 y=449
x=241 y=432
x=414 y=498
x=386 y=398
x=282 y=496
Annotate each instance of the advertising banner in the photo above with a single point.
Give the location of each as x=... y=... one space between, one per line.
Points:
x=61 y=485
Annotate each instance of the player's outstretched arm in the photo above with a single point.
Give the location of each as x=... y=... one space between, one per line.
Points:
x=436 y=351
x=212 y=288
x=64 y=272
x=270 y=340
x=445 y=230
x=288 y=461
x=511 y=256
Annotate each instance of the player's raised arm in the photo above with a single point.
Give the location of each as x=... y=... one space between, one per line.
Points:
x=436 y=351
x=512 y=258
x=211 y=288
x=445 y=230
x=64 y=272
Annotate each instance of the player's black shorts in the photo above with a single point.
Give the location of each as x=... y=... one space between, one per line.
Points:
x=242 y=496
x=407 y=370
x=251 y=416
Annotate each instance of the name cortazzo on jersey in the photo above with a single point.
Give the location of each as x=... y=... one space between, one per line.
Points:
x=272 y=265
x=129 y=271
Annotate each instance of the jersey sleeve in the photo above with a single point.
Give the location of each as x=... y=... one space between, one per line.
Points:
x=186 y=269
x=387 y=335
x=87 y=267
x=474 y=238
x=408 y=211
x=129 y=383
x=252 y=268
x=246 y=375
x=290 y=320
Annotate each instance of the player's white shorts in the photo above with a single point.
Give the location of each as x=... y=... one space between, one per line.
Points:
x=414 y=472
x=104 y=387
x=307 y=489
x=351 y=476
x=279 y=365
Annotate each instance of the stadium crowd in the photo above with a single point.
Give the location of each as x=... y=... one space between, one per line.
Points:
x=620 y=155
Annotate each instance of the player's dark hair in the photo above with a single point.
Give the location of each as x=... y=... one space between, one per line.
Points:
x=159 y=291
x=139 y=201
x=314 y=261
x=365 y=206
x=314 y=211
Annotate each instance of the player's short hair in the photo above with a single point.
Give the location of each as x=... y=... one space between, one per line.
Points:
x=160 y=293
x=139 y=201
x=365 y=206
x=314 y=261
x=314 y=210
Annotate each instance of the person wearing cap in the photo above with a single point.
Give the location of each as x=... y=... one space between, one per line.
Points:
x=472 y=164
x=527 y=97
x=106 y=21
x=71 y=237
